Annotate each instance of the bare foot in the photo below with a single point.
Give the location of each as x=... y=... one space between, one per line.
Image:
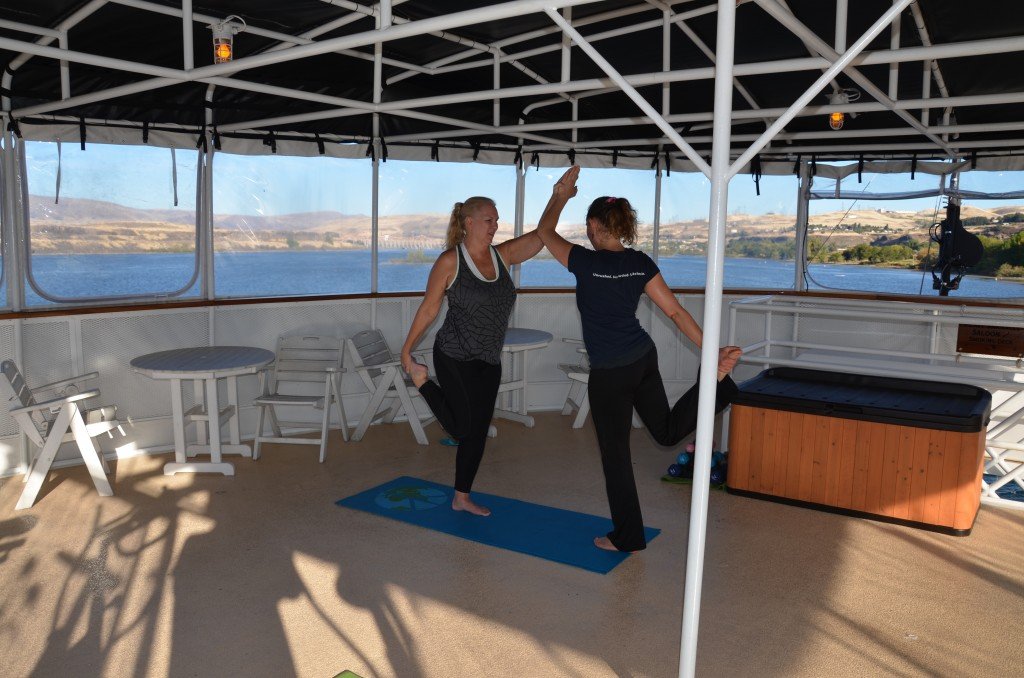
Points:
x=606 y=544
x=462 y=502
x=727 y=359
x=419 y=374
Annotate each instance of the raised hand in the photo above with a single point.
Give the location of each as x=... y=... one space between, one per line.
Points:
x=565 y=187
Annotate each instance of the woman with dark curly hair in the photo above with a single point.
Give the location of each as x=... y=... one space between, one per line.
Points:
x=623 y=359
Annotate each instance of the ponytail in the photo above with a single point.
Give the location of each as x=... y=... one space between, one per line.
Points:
x=457 y=222
x=616 y=216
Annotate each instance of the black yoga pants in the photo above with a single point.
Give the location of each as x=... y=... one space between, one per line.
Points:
x=463 y=402
x=614 y=393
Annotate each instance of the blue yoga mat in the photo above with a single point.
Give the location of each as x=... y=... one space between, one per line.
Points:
x=550 y=533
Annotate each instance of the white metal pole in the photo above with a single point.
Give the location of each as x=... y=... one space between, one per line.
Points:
x=894 y=44
x=187 y=51
x=802 y=209
x=656 y=236
x=65 y=71
x=720 y=152
x=631 y=92
x=841 y=8
x=12 y=265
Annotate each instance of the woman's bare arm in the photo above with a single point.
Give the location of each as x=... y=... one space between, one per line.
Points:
x=440 y=277
x=663 y=298
x=563 y=191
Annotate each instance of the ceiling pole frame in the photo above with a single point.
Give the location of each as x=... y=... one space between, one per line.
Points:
x=712 y=325
x=167 y=76
x=48 y=38
x=787 y=19
x=187 y=52
x=803 y=200
x=998 y=45
x=628 y=89
x=841 y=63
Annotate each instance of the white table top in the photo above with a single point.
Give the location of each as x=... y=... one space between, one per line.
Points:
x=203 y=361
x=522 y=339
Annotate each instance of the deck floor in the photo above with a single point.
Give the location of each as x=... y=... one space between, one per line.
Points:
x=262 y=575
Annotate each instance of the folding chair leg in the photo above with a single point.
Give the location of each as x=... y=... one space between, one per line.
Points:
x=341 y=410
x=371 y=408
x=41 y=465
x=259 y=432
x=570 y=398
x=581 y=414
x=90 y=455
x=410 y=411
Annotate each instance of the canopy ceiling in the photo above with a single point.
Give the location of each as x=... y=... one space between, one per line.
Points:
x=150 y=34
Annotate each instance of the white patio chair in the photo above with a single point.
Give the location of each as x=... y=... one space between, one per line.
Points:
x=577 y=399
x=382 y=374
x=53 y=414
x=302 y=362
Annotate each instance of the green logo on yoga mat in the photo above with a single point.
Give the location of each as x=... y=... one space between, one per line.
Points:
x=411 y=498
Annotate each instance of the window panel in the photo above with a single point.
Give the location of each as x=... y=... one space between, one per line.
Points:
x=114 y=230
x=885 y=245
x=416 y=201
x=289 y=226
x=635 y=185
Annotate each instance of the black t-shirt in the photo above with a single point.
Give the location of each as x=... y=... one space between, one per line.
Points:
x=608 y=289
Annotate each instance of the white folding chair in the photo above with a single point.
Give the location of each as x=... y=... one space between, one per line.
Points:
x=577 y=399
x=57 y=419
x=384 y=379
x=302 y=364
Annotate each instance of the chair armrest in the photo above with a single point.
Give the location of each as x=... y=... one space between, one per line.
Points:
x=423 y=352
x=65 y=382
x=378 y=366
x=56 y=401
x=570 y=340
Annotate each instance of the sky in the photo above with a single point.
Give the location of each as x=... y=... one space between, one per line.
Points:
x=141 y=176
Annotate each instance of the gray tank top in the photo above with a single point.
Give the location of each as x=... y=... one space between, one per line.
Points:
x=478 y=311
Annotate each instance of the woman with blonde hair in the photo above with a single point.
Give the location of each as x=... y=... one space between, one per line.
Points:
x=473 y=274
x=624 y=375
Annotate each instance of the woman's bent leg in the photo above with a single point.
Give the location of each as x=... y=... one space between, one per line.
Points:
x=611 y=407
x=449 y=399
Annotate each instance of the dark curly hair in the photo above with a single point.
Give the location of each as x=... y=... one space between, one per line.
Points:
x=617 y=216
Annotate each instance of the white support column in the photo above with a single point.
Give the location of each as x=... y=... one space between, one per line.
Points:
x=926 y=88
x=374 y=230
x=12 y=266
x=656 y=236
x=631 y=92
x=725 y=42
x=894 y=44
x=187 y=51
x=65 y=72
x=520 y=217
x=802 y=210
x=496 y=112
x=841 y=16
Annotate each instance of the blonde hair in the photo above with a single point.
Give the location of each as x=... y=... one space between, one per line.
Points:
x=457 y=223
x=617 y=216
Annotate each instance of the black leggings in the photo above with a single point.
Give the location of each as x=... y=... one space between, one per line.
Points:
x=614 y=393
x=464 y=405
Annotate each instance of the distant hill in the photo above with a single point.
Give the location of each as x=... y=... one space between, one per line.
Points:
x=90 y=226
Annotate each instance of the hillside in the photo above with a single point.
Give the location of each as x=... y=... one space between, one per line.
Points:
x=90 y=226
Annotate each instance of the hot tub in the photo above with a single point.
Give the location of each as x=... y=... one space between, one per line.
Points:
x=898 y=450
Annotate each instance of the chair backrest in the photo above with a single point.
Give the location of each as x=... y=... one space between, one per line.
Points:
x=17 y=388
x=306 y=358
x=371 y=348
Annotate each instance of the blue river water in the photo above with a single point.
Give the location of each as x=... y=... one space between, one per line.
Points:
x=248 y=274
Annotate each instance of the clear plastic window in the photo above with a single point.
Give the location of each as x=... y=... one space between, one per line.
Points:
x=113 y=230
x=291 y=226
x=635 y=185
x=416 y=201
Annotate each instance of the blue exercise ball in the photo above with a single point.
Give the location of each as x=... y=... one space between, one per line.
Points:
x=684 y=458
x=675 y=470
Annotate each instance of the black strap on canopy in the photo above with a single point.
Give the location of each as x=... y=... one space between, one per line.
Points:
x=517 y=160
x=383 y=150
x=755 y=172
x=271 y=140
x=535 y=160
x=860 y=170
x=145 y=132
x=913 y=166
x=572 y=156
x=319 y=143
x=434 y=151
x=615 y=157
x=216 y=139
x=371 y=152
x=81 y=132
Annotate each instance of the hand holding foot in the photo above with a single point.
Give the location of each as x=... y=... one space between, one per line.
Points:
x=728 y=356
x=419 y=374
x=462 y=502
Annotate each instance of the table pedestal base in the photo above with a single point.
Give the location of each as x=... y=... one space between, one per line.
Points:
x=171 y=468
x=197 y=449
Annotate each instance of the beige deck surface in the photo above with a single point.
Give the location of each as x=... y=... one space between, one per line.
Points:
x=261 y=575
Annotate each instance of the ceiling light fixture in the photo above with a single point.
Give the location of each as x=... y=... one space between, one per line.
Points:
x=223 y=38
x=837 y=101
